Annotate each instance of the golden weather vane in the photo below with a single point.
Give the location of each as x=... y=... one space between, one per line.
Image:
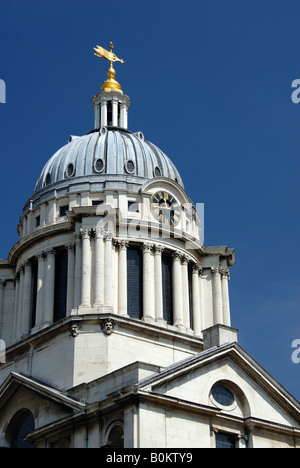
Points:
x=100 y=52
x=110 y=83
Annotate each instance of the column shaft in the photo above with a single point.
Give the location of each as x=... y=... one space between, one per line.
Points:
x=108 y=300
x=78 y=270
x=49 y=287
x=123 y=277
x=103 y=114
x=217 y=296
x=71 y=277
x=2 y=284
x=114 y=113
x=26 y=318
x=159 y=310
x=225 y=298
x=86 y=269
x=99 y=268
x=197 y=322
x=177 y=289
x=21 y=303
x=185 y=294
x=148 y=281
x=40 y=290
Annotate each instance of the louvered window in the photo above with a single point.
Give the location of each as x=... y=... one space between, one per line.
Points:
x=167 y=287
x=134 y=282
x=61 y=283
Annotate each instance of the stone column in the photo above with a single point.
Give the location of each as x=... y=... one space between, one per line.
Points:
x=185 y=293
x=225 y=297
x=78 y=270
x=123 y=116
x=86 y=269
x=217 y=295
x=97 y=115
x=49 y=289
x=159 y=310
x=123 y=245
x=40 y=289
x=114 y=112
x=26 y=318
x=197 y=319
x=2 y=284
x=177 y=289
x=103 y=113
x=16 y=305
x=71 y=277
x=99 y=267
x=148 y=282
x=108 y=300
x=21 y=302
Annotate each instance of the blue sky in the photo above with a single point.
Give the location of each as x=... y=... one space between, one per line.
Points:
x=210 y=84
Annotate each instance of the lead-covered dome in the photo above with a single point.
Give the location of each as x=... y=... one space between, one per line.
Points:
x=109 y=155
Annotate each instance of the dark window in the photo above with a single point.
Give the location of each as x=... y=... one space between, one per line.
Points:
x=97 y=202
x=116 y=437
x=167 y=288
x=61 y=283
x=224 y=440
x=37 y=221
x=63 y=210
x=135 y=282
x=23 y=425
x=222 y=395
x=109 y=113
x=48 y=179
x=157 y=172
x=34 y=291
x=133 y=207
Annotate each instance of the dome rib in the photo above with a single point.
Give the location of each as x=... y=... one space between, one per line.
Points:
x=115 y=147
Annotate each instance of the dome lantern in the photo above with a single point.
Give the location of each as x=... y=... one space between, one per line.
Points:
x=110 y=104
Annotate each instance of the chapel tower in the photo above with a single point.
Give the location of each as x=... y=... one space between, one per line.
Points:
x=109 y=246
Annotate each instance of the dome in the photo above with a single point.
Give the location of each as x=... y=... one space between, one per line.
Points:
x=107 y=157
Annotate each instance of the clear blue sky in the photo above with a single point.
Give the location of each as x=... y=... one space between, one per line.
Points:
x=210 y=84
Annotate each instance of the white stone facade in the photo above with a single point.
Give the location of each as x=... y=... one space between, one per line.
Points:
x=84 y=367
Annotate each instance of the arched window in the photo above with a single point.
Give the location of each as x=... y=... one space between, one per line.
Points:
x=21 y=424
x=167 y=266
x=116 y=437
x=135 y=282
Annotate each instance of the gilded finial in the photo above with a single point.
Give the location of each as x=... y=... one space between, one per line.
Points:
x=110 y=84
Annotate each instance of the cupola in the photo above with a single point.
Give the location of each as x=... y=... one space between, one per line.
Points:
x=110 y=104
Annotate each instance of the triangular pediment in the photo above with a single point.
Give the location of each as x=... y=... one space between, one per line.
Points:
x=257 y=395
x=19 y=394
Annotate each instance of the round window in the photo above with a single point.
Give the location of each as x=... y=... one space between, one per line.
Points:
x=70 y=171
x=129 y=166
x=99 y=165
x=222 y=395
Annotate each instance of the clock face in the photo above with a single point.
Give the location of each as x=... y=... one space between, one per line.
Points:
x=165 y=208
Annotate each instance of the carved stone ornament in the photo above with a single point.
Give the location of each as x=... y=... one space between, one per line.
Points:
x=74 y=329
x=108 y=326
